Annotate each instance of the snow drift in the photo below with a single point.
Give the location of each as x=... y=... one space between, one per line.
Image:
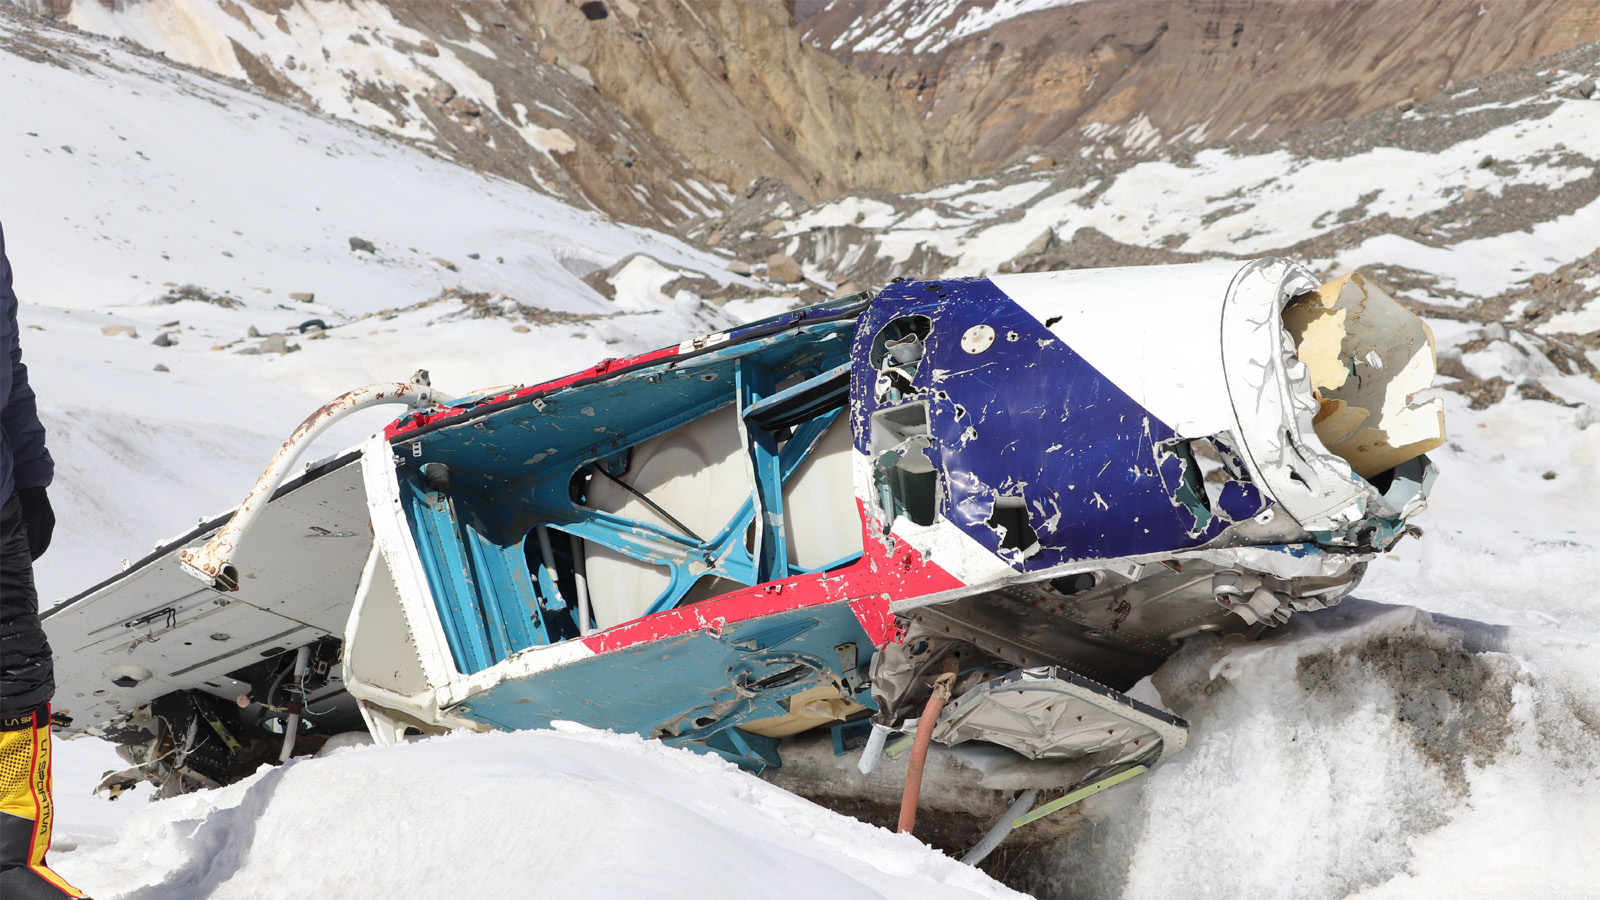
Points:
x=1367 y=750
x=568 y=813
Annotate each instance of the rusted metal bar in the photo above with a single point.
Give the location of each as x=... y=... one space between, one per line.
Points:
x=942 y=687
x=212 y=563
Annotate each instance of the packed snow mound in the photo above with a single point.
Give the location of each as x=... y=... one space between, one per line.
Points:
x=568 y=813
x=1366 y=750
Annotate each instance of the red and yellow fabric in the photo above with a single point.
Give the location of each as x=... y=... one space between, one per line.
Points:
x=26 y=812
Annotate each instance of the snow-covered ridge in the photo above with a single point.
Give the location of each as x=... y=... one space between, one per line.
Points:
x=928 y=26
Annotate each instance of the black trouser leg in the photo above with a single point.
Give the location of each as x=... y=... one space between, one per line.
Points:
x=27 y=681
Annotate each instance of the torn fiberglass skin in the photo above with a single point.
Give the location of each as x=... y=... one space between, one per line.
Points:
x=1042 y=482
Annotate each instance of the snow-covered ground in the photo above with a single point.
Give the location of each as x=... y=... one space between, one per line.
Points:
x=1439 y=737
x=563 y=813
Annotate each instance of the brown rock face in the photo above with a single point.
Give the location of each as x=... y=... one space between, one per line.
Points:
x=730 y=87
x=1132 y=74
x=654 y=111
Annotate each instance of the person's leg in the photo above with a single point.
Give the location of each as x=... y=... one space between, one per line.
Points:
x=26 y=683
x=26 y=813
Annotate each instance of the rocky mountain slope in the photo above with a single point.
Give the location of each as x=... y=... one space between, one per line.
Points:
x=650 y=112
x=1119 y=77
x=661 y=112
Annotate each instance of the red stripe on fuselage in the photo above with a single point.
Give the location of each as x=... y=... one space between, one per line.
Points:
x=868 y=585
x=416 y=420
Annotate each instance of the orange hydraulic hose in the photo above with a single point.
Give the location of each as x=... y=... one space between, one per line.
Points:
x=919 y=748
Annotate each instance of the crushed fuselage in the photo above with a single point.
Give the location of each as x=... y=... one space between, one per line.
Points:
x=1044 y=483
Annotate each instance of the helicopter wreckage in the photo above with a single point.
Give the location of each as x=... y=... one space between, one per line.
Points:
x=976 y=510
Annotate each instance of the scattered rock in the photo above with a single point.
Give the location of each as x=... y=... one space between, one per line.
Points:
x=1048 y=162
x=446 y=263
x=114 y=330
x=1486 y=162
x=461 y=106
x=164 y=339
x=1583 y=90
x=442 y=92
x=739 y=267
x=845 y=290
x=363 y=245
x=429 y=48
x=196 y=292
x=253 y=332
x=782 y=267
x=580 y=72
x=303 y=297
x=772 y=227
x=1405 y=105
x=172 y=324
x=521 y=329
x=1548 y=476
x=276 y=343
x=473 y=256
x=1533 y=390
x=162 y=368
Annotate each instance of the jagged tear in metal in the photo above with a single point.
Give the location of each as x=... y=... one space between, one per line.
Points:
x=1047 y=482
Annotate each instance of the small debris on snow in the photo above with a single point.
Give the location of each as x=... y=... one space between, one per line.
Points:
x=114 y=330
x=363 y=245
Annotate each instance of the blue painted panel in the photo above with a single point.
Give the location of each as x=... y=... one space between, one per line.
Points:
x=1032 y=420
x=449 y=576
x=514 y=469
x=685 y=689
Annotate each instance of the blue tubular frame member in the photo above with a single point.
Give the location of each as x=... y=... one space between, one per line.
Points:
x=496 y=596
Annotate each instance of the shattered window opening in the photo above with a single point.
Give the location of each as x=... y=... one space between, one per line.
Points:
x=1010 y=521
x=905 y=480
